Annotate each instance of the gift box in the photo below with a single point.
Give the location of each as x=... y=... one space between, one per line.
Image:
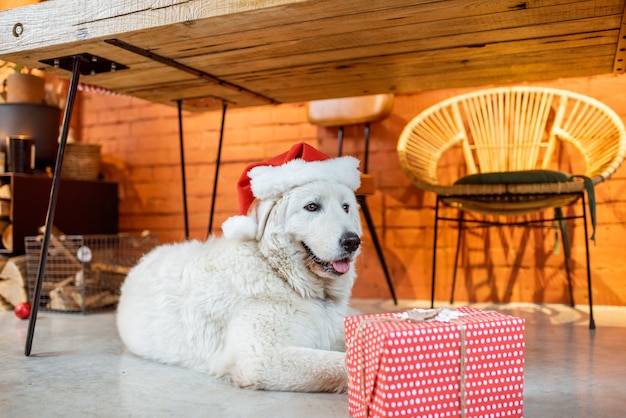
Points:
x=462 y=363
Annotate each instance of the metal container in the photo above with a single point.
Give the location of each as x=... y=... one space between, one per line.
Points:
x=37 y=121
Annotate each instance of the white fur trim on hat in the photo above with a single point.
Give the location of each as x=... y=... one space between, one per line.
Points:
x=270 y=181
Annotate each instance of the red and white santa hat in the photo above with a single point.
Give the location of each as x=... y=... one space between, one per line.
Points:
x=269 y=179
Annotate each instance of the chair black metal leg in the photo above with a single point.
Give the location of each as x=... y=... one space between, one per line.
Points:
x=379 y=250
x=592 y=322
x=71 y=95
x=434 y=272
x=558 y=214
x=340 y=142
x=182 y=167
x=365 y=209
x=456 y=256
x=218 y=161
x=366 y=151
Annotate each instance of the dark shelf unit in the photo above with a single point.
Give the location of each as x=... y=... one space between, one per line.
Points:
x=83 y=207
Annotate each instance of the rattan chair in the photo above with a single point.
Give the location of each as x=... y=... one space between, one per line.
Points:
x=352 y=111
x=508 y=138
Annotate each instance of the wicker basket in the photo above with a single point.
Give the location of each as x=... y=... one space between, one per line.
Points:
x=81 y=161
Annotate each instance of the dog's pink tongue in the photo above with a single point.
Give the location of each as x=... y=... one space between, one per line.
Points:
x=341 y=266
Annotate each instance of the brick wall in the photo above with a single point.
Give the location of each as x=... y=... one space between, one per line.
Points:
x=140 y=151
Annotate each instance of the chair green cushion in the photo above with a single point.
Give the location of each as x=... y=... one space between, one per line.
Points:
x=534 y=176
x=516 y=177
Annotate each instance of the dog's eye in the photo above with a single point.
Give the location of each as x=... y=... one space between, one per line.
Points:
x=346 y=207
x=312 y=207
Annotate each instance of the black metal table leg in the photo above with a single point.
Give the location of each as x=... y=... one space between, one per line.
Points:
x=182 y=167
x=52 y=203
x=218 y=161
x=78 y=64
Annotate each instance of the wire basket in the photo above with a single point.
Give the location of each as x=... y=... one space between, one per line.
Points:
x=84 y=273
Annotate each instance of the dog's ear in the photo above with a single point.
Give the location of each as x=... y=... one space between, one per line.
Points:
x=251 y=226
x=260 y=212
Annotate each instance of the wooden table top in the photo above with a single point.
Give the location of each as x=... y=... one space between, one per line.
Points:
x=276 y=51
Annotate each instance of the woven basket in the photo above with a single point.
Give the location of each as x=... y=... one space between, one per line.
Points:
x=81 y=161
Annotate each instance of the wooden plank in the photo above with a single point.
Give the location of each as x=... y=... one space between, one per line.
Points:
x=413 y=77
x=60 y=22
x=439 y=44
x=236 y=62
x=284 y=43
x=147 y=79
x=184 y=36
x=305 y=50
x=545 y=52
x=367 y=29
x=459 y=17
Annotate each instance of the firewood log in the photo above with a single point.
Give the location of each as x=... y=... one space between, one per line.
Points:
x=110 y=268
x=61 y=299
x=7 y=235
x=5 y=192
x=4 y=305
x=56 y=243
x=5 y=208
x=13 y=283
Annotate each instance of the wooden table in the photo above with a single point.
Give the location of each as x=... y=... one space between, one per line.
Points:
x=274 y=51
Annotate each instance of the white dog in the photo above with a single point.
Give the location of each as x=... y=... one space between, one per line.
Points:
x=262 y=306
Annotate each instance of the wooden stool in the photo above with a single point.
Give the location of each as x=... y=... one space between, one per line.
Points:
x=352 y=111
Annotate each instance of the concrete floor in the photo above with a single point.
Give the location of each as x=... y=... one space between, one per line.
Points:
x=79 y=367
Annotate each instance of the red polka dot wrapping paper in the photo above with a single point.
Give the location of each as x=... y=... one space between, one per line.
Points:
x=399 y=368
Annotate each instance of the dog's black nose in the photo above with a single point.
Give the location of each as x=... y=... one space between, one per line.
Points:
x=350 y=241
